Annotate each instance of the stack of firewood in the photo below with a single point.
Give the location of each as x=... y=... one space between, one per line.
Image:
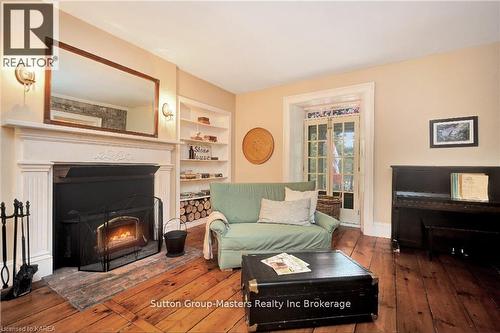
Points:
x=195 y=209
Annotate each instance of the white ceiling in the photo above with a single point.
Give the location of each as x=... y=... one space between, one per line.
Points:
x=245 y=46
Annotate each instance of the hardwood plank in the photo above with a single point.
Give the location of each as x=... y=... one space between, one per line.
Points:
x=478 y=304
x=363 y=251
x=28 y=305
x=111 y=323
x=382 y=264
x=155 y=281
x=348 y=240
x=489 y=279
x=447 y=311
x=188 y=292
x=240 y=327
x=297 y=330
x=413 y=312
x=345 y=328
x=80 y=320
x=48 y=316
x=166 y=286
x=337 y=235
x=221 y=319
x=131 y=317
x=117 y=308
x=185 y=318
x=132 y=328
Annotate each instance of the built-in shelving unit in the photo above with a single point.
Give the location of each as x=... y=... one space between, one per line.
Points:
x=188 y=128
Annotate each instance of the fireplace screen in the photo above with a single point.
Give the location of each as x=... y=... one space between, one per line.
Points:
x=120 y=233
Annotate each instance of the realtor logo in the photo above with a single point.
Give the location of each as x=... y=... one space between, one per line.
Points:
x=28 y=30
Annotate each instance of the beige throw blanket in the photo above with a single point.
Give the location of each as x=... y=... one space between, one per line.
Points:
x=207 y=242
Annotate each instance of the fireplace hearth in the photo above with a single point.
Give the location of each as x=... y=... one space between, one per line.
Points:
x=105 y=216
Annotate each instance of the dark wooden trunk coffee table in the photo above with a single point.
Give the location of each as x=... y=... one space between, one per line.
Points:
x=337 y=290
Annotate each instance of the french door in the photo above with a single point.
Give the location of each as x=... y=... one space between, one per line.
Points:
x=332 y=160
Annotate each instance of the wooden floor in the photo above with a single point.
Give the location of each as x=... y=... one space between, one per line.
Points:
x=416 y=295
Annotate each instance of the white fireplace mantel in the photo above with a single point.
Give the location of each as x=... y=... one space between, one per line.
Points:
x=39 y=146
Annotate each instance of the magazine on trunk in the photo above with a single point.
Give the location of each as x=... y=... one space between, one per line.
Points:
x=285 y=263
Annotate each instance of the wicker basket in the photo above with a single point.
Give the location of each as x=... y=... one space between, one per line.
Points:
x=329 y=205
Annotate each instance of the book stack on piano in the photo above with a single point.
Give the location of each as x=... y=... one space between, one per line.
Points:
x=469 y=186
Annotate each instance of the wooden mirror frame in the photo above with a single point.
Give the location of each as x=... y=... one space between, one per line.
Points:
x=48 y=82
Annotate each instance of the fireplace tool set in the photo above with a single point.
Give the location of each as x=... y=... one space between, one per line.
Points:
x=21 y=284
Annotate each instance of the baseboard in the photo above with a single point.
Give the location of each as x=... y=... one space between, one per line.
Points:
x=378 y=229
x=350 y=225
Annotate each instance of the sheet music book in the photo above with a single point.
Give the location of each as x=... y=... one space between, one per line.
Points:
x=469 y=186
x=474 y=186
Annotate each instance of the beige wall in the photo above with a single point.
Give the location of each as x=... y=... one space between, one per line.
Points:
x=203 y=91
x=407 y=95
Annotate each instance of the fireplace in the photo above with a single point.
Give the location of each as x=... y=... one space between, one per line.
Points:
x=105 y=216
x=40 y=152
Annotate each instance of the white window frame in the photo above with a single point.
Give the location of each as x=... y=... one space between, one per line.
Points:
x=366 y=93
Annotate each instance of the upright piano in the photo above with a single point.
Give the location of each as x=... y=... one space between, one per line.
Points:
x=422 y=204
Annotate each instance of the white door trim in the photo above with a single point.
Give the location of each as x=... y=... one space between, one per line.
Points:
x=366 y=91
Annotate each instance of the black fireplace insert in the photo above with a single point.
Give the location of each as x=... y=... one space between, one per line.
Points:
x=105 y=216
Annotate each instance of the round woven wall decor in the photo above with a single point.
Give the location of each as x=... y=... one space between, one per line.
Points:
x=258 y=145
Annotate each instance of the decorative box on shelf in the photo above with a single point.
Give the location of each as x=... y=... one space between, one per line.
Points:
x=210 y=138
x=329 y=205
x=187 y=175
x=204 y=120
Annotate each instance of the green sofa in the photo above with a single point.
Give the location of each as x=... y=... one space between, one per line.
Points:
x=240 y=204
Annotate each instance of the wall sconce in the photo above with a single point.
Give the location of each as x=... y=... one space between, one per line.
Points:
x=165 y=109
x=25 y=76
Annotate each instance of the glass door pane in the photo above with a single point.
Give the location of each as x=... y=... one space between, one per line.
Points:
x=344 y=166
x=316 y=166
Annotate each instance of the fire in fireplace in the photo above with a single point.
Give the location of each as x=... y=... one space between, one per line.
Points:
x=125 y=231
x=120 y=233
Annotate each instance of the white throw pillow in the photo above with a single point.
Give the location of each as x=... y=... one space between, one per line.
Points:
x=285 y=212
x=291 y=195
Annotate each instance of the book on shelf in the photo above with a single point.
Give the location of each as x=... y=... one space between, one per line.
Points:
x=469 y=186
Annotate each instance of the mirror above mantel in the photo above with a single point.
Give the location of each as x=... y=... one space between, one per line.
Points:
x=89 y=91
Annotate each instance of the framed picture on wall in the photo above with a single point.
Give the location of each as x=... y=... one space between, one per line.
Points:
x=454 y=132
